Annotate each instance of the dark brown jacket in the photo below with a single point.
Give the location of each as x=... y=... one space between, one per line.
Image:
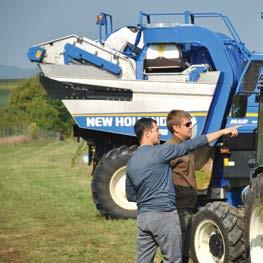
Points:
x=183 y=173
x=183 y=168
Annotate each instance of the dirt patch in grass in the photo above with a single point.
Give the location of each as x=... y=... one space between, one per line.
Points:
x=7 y=251
x=13 y=140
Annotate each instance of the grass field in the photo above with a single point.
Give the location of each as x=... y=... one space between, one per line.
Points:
x=47 y=213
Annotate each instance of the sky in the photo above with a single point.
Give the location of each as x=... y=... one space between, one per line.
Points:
x=24 y=23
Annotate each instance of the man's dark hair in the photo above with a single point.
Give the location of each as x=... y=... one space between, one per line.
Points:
x=141 y=125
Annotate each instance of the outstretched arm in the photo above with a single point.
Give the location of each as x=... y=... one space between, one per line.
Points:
x=172 y=151
x=232 y=132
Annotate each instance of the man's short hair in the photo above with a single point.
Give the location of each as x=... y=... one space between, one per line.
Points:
x=175 y=117
x=141 y=125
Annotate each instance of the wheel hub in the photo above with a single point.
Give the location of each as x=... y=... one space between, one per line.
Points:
x=117 y=189
x=209 y=243
x=216 y=245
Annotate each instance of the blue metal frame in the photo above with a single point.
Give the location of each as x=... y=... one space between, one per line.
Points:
x=234 y=196
x=72 y=52
x=220 y=55
x=140 y=63
x=105 y=22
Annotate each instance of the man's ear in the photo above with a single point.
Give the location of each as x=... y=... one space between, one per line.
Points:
x=146 y=134
x=175 y=128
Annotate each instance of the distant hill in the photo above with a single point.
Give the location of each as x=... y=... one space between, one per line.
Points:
x=12 y=72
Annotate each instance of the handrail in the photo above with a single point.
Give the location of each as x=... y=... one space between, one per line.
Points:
x=103 y=20
x=189 y=18
x=225 y=19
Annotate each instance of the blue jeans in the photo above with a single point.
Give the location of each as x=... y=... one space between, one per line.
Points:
x=159 y=229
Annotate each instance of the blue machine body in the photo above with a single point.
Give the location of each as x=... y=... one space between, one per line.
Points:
x=224 y=53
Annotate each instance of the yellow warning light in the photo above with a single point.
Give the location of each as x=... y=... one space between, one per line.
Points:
x=38 y=54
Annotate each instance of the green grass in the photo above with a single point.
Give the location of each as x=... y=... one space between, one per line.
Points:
x=47 y=213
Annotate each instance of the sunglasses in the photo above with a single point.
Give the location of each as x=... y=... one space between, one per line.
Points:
x=187 y=124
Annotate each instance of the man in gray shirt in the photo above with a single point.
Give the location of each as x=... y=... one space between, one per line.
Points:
x=149 y=183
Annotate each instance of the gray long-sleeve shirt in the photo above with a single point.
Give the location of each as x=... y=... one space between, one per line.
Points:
x=149 y=180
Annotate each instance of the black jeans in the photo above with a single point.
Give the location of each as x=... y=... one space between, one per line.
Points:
x=185 y=217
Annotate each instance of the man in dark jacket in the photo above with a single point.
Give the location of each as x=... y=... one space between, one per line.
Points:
x=149 y=183
x=183 y=173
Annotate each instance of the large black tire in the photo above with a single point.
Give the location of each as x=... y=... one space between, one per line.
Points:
x=254 y=220
x=108 y=184
x=217 y=234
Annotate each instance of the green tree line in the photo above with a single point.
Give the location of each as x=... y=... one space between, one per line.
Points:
x=30 y=104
